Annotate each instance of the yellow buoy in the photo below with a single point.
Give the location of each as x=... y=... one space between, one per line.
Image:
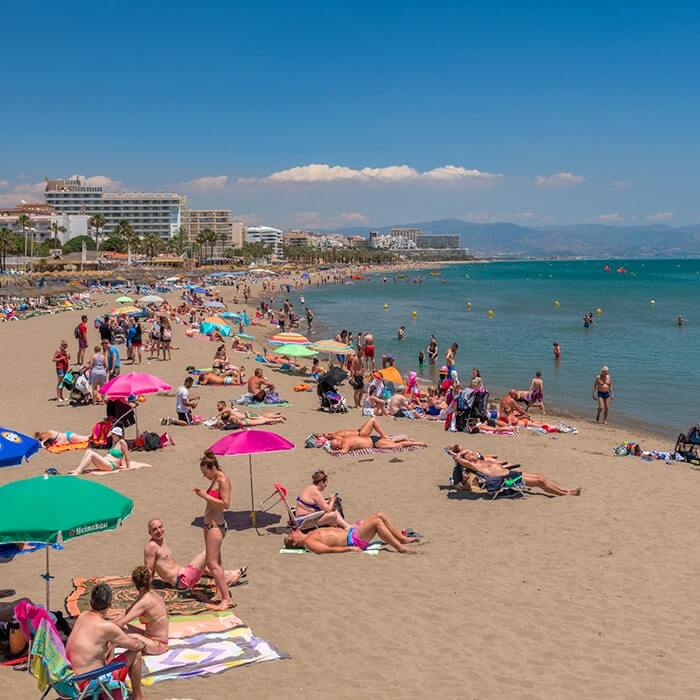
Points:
x=490 y=313
x=414 y=313
x=386 y=306
x=599 y=311
x=652 y=301
x=557 y=303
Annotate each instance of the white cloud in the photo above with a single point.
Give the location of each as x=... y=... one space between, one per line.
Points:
x=621 y=184
x=4 y=184
x=612 y=218
x=29 y=192
x=212 y=183
x=106 y=183
x=559 y=180
x=324 y=173
x=660 y=216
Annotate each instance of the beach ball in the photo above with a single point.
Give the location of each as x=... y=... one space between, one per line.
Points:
x=557 y=303
x=386 y=306
x=414 y=313
x=599 y=311
x=490 y=313
x=652 y=301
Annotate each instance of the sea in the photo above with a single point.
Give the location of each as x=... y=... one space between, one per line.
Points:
x=654 y=362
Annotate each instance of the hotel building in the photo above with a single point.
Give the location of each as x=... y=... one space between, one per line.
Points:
x=271 y=237
x=149 y=213
x=230 y=234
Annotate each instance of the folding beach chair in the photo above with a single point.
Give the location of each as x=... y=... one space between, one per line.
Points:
x=49 y=664
x=301 y=522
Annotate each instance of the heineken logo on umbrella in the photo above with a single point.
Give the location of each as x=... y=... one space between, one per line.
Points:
x=85 y=529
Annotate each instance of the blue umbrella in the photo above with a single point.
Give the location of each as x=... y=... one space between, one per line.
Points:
x=229 y=314
x=215 y=304
x=16 y=447
x=199 y=290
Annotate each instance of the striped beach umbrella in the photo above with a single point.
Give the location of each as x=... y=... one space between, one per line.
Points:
x=289 y=339
x=332 y=347
x=126 y=309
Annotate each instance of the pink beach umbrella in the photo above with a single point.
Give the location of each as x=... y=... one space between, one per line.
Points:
x=133 y=384
x=250 y=442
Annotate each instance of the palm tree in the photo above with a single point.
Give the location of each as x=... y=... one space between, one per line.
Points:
x=125 y=231
x=24 y=222
x=7 y=240
x=201 y=242
x=152 y=245
x=178 y=243
x=97 y=221
x=209 y=238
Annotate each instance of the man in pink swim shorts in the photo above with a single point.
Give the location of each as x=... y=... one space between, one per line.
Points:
x=158 y=559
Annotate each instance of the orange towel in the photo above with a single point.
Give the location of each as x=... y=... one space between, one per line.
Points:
x=57 y=449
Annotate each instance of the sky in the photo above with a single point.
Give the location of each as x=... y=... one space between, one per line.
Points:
x=330 y=114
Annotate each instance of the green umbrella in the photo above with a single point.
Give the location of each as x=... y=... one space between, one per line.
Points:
x=46 y=508
x=294 y=351
x=125 y=300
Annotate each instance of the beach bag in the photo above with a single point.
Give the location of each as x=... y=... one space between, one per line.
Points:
x=151 y=441
x=76 y=332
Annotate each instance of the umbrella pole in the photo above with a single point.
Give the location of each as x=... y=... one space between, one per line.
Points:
x=253 y=516
x=47 y=577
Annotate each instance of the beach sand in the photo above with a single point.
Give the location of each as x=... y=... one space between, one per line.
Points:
x=593 y=596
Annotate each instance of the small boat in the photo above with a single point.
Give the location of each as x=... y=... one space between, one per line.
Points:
x=621 y=270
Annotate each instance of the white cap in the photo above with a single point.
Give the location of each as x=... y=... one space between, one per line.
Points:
x=117 y=431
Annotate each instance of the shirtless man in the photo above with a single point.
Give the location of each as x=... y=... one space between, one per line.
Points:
x=489 y=465
x=259 y=385
x=603 y=391
x=363 y=440
x=92 y=641
x=158 y=559
x=330 y=540
x=510 y=412
x=399 y=405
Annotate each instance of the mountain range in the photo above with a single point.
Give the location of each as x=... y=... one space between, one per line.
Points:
x=585 y=240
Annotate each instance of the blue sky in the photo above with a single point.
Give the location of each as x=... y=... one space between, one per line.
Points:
x=302 y=114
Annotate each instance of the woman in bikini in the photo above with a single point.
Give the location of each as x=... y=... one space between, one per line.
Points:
x=55 y=438
x=151 y=611
x=311 y=500
x=116 y=458
x=218 y=499
x=603 y=392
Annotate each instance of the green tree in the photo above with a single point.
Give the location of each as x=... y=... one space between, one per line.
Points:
x=251 y=251
x=131 y=239
x=75 y=245
x=57 y=228
x=97 y=221
x=179 y=243
x=115 y=244
x=9 y=244
x=152 y=245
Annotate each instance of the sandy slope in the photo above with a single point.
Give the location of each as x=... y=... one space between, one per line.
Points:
x=571 y=597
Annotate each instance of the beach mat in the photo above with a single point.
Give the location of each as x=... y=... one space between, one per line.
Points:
x=58 y=449
x=373 y=549
x=205 y=654
x=373 y=451
x=124 y=594
x=100 y=472
x=256 y=404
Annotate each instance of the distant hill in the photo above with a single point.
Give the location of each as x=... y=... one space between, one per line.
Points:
x=589 y=240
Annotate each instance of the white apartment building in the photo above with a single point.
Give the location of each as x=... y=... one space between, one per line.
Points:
x=230 y=234
x=42 y=220
x=392 y=242
x=410 y=234
x=271 y=237
x=158 y=213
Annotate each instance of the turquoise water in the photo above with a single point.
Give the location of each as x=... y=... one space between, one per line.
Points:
x=654 y=363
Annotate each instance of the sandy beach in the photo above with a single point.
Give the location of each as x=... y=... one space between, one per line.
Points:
x=592 y=596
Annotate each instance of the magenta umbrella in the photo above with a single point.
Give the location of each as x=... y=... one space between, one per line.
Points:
x=133 y=384
x=250 y=442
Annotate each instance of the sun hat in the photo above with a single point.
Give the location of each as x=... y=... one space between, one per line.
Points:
x=117 y=431
x=443 y=369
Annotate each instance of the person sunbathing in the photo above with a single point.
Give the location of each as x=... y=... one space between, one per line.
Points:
x=56 y=438
x=227 y=416
x=331 y=540
x=117 y=457
x=509 y=412
x=240 y=346
x=151 y=611
x=158 y=559
x=491 y=466
x=232 y=377
x=357 y=441
x=311 y=500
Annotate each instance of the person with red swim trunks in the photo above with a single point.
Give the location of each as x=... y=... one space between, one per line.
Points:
x=369 y=351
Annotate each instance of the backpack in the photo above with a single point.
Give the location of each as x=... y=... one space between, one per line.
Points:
x=151 y=441
x=76 y=332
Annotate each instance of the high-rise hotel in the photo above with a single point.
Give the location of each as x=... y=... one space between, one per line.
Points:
x=159 y=213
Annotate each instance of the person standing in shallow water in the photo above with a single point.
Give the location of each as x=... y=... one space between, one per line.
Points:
x=432 y=350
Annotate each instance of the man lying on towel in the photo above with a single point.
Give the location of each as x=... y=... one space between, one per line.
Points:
x=158 y=559
x=330 y=540
x=363 y=438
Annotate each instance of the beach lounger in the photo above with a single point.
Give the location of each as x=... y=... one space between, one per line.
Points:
x=494 y=486
x=301 y=522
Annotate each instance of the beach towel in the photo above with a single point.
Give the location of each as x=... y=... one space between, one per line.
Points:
x=124 y=594
x=132 y=466
x=205 y=654
x=373 y=550
x=372 y=451
x=49 y=664
x=58 y=449
x=9 y=551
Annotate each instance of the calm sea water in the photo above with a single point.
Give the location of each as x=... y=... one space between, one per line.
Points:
x=654 y=363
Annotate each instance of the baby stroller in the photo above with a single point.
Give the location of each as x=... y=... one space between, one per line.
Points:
x=688 y=445
x=471 y=408
x=80 y=391
x=327 y=391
